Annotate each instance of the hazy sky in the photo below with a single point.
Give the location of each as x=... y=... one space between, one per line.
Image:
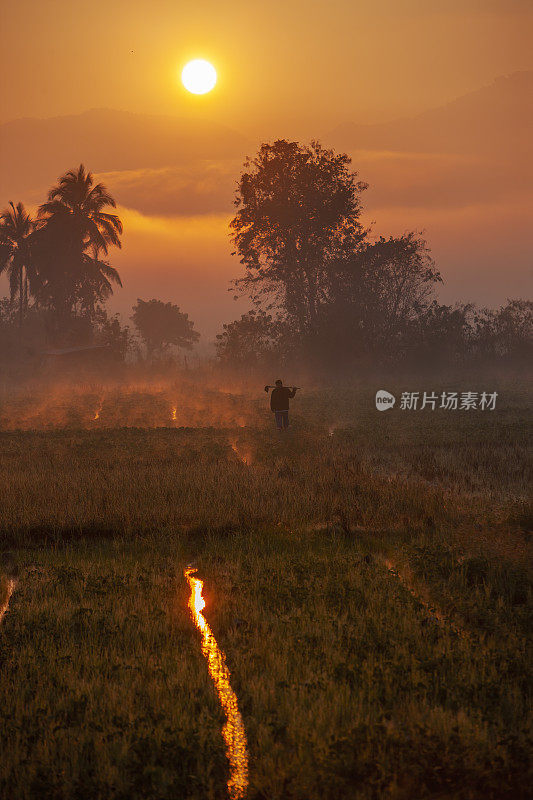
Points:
x=282 y=64
x=286 y=68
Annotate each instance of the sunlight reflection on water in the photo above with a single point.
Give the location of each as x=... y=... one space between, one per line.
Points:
x=4 y=602
x=245 y=457
x=233 y=731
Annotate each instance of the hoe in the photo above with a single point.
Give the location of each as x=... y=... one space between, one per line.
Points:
x=267 y=387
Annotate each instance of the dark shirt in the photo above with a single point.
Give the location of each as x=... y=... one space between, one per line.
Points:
x=279 y=399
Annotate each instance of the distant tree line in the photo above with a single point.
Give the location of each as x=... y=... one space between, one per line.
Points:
x=325 y=294
x=60 y=276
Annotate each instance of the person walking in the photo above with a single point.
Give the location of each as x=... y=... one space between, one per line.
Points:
x=279 y=404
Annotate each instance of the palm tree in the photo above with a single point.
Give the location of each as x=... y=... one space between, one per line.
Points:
x=75 y=233
x=16 y=226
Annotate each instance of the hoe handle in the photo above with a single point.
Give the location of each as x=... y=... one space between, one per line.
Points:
x=287 y=387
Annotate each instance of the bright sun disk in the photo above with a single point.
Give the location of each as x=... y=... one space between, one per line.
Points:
x=199 y=76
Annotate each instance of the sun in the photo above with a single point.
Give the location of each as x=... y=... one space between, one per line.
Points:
x=199 y=76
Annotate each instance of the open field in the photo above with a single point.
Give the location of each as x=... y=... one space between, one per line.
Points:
x=368 y=578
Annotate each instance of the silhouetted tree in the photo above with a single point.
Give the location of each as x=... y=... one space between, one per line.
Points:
x=438 y=332
x=108 y=331
x=71 y=243
x=163 y=324
x=299 y=236
x=506 y=332
x=16 y=226
x=384 y=287
x=298 y=214
x=251 y=340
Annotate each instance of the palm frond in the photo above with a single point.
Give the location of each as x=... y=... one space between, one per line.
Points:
x=100 y=197
x=110 y=272
x=96 y=238
x=113 y=219
x=109 y=232
x=51 y=207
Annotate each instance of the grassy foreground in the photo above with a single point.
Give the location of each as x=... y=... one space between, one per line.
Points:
x=354 y=681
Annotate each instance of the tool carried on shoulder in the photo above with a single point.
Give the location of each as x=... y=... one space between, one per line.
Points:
x=268 y=386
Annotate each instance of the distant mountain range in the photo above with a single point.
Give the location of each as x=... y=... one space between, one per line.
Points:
x=494 y=119
x=478 y=143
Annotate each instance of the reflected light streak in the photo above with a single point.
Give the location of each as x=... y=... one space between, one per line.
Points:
x=4 y=603
x=233 y=730
x=246 y=458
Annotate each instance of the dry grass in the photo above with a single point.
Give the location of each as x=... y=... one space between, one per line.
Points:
x=347 y=687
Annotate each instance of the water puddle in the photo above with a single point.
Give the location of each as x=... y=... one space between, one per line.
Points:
x=233 y=730
x=6 y=596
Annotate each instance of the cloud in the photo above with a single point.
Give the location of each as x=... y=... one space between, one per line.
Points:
x=439 y=180
x=396 y=178
x=204 y=187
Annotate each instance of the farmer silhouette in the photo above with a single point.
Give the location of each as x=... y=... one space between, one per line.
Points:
x=279 y=404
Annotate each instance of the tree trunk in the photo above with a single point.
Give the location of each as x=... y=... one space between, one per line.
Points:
x=21 y=293
x=311 y=276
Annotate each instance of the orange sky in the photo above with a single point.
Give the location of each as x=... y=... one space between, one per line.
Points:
x=285 y=64
x=286 y=68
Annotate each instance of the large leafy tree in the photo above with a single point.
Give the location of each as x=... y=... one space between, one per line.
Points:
x=70 y=246
x=384 y=286
x=16 y=227
x=298 y=213
x=163 y=324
